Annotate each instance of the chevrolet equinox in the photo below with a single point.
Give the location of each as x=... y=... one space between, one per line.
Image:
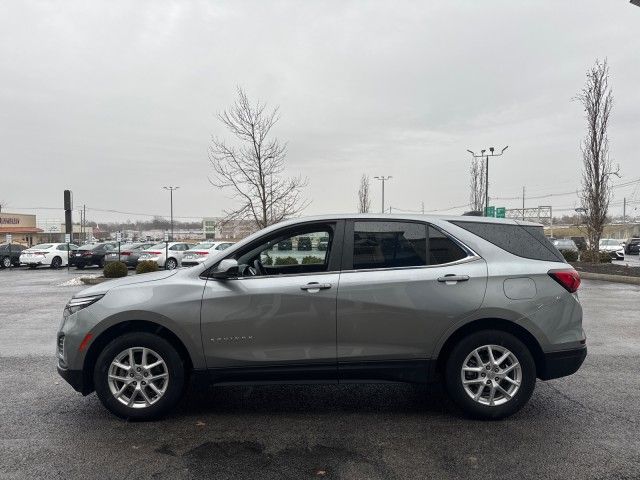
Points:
x=486 y=306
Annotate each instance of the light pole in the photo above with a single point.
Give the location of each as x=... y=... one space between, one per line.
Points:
x=383 y=179
x=171 y=189
x=486 y=172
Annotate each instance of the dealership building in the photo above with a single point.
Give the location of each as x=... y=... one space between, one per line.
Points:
x=22 y=228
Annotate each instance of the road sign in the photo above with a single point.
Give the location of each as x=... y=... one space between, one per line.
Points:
x=67 y=238
x=9 y=238
x=501 y=212
x=490 y=211
x=118 y=236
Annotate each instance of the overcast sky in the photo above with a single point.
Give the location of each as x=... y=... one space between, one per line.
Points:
x=115 y=99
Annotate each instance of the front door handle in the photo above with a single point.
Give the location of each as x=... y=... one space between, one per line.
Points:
x=453 y=278
x=315 y=287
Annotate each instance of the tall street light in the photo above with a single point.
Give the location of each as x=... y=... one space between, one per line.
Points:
x=383 y=179
x=171 y=189
x=486 y=172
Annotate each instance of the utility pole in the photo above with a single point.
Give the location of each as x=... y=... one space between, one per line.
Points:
x=624 y=210
x=171 y=189
x=383 y=179
x=422 y=205
x=486 y=178
x=523 y=203
x=84 y=222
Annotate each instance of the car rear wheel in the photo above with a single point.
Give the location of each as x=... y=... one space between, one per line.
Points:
x=490 y=374
x=171 y=264
x=80 y=267
x=56 y=263
x=139 y=376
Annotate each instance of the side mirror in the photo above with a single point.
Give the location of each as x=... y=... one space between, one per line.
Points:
x=227 y=268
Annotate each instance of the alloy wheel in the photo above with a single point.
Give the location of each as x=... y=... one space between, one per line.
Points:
x=138 y=377
x=6 y=262
x=491 y=375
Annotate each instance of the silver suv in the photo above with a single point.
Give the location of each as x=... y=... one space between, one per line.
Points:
x=485 y=306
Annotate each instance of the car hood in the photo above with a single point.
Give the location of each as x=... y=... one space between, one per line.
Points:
x=104 y=287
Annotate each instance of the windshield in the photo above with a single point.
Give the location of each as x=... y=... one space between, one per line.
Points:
x=43 y=246
x=202 y=246
x=157 y=246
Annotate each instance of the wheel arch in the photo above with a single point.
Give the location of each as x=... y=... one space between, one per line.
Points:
x=122 y=328
x=501 y=324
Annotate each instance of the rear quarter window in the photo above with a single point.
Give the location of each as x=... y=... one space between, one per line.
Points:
x=521 y=240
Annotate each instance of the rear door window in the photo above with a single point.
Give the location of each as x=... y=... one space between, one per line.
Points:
x=389 y=245
x=443 y=249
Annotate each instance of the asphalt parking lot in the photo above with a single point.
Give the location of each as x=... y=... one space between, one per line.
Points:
x=586 y=426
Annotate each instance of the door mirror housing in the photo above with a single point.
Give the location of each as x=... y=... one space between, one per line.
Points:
x=227 y=268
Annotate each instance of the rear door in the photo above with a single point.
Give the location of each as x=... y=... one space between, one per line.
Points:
x=403 y=284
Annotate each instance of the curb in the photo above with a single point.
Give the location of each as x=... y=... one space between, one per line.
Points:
x=610 y=278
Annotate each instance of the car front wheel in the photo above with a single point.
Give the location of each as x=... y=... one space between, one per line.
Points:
x=139 y=376
x=6 y=262
x=490 y=374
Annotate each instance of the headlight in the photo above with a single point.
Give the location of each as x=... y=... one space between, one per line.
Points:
x=76 y=304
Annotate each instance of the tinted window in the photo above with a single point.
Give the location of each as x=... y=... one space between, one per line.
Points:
x=442 y=249
x=523 y=241
x=389 y=245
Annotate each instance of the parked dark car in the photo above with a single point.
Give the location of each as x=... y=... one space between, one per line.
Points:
x=91 y=255
x=285 y=245
x=304 y=244
x=580 y=242
x=323 y=244
x=632 y=246
x=129 y=253
x=10 y=256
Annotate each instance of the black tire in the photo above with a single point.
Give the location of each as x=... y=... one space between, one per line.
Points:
x=32 y=267
x=80 y=267
x=56 y=263
x=5 y=263
x=171 y=264
x=101 y=263
x=453 y=370
x=175 y=367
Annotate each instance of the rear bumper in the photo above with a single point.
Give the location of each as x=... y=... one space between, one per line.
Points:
x=562 y=364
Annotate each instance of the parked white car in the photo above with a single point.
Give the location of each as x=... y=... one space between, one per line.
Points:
x=613 y=247
x=54 y=255
x=158 y=253
x=201 y=252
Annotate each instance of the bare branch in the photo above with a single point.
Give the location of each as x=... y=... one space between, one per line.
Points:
x=597 y=99
x=364 y=198
x=252 y=166
x=477 y=185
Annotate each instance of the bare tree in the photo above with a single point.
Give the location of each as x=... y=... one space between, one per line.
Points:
x=364 y=199
x=252 y=166
x=477 y=185
x=597 y=100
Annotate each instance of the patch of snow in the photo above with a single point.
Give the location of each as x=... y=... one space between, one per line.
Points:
x=74 y=282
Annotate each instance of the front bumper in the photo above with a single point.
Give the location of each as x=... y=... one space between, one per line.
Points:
x=562 y=363
x=75 y=378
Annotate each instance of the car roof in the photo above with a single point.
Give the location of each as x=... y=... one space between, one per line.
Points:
x=413 y=217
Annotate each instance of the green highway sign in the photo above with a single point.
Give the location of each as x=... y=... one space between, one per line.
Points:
x=490 y=212
x=501 y=212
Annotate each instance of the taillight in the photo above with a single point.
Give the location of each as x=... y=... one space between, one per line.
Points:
x=569 y=278
x=87 y=254
x=125 y=253
x=154 y=253
x=201 y=253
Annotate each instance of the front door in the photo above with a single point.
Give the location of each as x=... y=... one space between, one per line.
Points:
x=280 y=313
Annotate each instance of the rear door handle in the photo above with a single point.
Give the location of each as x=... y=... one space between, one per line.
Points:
x=453 y=278
x=315 y=286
